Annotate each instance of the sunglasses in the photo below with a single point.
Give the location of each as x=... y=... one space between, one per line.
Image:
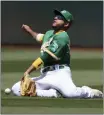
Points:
x=60 y=17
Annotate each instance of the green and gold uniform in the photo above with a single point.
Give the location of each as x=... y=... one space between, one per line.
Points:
x=58 y=44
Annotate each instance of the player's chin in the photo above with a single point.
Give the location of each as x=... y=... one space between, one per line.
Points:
x=54 y=24
x=54 y=27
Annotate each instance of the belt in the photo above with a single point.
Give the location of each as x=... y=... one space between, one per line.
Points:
x=52 y=68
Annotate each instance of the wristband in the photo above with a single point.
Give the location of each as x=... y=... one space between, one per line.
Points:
x=37 y=63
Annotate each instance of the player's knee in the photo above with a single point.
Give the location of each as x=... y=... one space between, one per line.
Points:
x=16 y=89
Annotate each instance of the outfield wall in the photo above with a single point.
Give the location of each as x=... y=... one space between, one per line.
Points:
x=86 y=31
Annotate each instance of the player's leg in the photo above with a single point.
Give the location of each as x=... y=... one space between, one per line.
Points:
x=16 y=89
x=39 y=92
x=92 y=92
x=56 y=80
x=83 y=92
x=43 y=88
x=39 y=85
x=61 y=80
x=68 y=88
x=40 y=89
x=47 y=93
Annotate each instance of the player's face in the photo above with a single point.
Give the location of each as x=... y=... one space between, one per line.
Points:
x=58 y=21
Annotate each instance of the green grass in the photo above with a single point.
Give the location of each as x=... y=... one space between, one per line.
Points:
x=86 y=69
x=49 y=110
x=13 y=104
x=46 y=102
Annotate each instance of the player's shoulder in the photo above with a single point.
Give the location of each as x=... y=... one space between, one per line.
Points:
x=49 y=32
x=63 y=34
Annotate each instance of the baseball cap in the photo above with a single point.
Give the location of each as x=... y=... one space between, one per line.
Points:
x=66 y=14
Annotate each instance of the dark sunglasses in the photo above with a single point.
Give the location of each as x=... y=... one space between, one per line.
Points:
x=60 y=17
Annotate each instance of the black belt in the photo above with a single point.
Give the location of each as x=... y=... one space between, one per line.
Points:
x=52 y=68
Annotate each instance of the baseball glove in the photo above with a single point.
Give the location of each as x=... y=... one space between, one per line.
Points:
x=27 y=86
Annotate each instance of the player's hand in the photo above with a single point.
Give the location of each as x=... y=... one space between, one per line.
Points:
x=26 y=74
x=26 y=27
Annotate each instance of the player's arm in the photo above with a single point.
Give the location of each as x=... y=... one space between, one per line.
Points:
x=34 y=66
x=39 y=61
x=37 y=36
x=54 y=49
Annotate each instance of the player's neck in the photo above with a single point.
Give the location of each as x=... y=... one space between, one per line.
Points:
x=58 y=31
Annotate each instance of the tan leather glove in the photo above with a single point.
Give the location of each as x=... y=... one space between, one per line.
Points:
x=27 y=87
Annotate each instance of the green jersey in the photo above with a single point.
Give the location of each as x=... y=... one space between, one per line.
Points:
x=58 y=44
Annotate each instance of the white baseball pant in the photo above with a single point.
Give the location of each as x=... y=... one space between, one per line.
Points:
x=60 y=80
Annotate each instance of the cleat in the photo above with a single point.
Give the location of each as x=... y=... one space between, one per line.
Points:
x=97 y=93
x=94 y=93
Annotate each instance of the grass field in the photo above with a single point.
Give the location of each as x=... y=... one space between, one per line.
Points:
x=86 y=66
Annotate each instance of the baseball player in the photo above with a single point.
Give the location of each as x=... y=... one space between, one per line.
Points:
x=54 y=61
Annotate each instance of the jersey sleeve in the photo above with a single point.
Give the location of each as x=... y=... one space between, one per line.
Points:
x=39 y=37
x=56 y=47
